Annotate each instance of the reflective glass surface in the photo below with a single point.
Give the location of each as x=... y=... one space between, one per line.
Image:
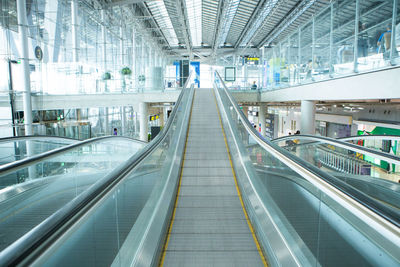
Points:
x=366 y=172
x=30 y=195
x=12 y=150
x=333 y=43
x=317 y=228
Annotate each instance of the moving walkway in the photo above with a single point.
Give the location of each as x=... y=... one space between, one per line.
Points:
x=202 y=194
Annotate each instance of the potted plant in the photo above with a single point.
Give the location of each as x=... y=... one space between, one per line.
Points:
x=126 y=71
x=106 y=76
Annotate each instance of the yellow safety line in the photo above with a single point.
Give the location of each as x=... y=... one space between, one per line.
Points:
x=238 y=190
x=179 y=188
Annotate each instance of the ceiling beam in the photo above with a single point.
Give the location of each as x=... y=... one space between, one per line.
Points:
x=250 y=22
x=288 y=20
x=178 y=15
x=182 y=13
x=128 y=2
x=220 y=16
x=147 y=9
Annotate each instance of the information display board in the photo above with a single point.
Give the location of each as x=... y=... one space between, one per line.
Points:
x=230 y=74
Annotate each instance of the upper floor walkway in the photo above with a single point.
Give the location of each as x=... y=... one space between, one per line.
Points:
x=378 y=84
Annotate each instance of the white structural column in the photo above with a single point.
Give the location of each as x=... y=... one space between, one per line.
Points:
x=135 y=72
x=165 y=115
x=104 y=34
x=245 y=74
x=121 y=45
x=307 y=117
x=142 y=57
x=143 y=113
x=75 y=30
x=263 y=78
x=261 y=116
x=159 y=57
x=23 y=37
x=151 y=57
x=123 y=120
x=107 y=124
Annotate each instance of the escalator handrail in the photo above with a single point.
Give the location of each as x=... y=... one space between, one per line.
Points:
x=19 y=164
x=339 y=143
x=45 y=137
x=28 y=243
x=372 y=136
x=356 y=200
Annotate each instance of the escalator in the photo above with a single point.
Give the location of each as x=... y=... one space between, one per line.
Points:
x=31 y=192
x=210 y=227
x=210 y=191
x=341 y=156
x=350 y=163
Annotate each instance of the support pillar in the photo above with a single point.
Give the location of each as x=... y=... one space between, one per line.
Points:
x=75 y=30
x=165 y=115
x=123 y=120
x=23 y=37
x=393 y=44
x=107 y=124
x=121 y=46
x=299 y=56
x=261 y=117
x=144 y=126
x=245 y=74
x=307 y=117
x=331 y=42
x=135 y=73
x=356 y=29
x=143 y=57
x=104 y=34
x=313 y=44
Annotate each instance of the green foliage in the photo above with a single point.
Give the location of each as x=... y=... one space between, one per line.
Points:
x=126 y=71
x=106 y=76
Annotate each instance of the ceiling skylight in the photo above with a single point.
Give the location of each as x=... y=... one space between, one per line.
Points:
x=194 y=11
x=260 y=19
x=228 y=18
x=160 y=14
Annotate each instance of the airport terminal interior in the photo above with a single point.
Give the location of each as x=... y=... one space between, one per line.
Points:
x=199 y=133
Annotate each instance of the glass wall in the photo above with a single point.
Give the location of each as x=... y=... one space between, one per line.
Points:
x=108 y=49
x=80 y=123
x=106 y=55
x=347 y=37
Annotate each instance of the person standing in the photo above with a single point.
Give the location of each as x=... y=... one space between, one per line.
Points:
x=384 y=42
x=254 y=86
